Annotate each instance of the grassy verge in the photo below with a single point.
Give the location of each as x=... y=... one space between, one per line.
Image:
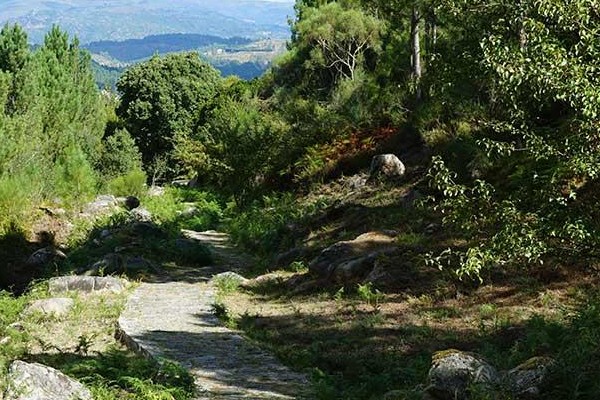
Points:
x=82 y=345
x=358 y=342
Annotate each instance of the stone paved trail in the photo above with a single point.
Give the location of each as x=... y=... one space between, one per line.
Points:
x=172 y=318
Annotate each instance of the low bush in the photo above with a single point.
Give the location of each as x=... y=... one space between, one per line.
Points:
x=132 y=183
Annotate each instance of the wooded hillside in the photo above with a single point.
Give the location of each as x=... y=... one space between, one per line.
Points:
x=493 y=109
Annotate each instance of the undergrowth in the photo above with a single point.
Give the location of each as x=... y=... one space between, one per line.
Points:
x=118 y=374
x=269 y=225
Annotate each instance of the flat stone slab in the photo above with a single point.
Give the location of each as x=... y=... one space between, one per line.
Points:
x=85 y=284
x=33 y=381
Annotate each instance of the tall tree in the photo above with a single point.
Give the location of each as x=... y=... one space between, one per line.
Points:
x=162 y=98
x=14 y=50
x=14 y=54
x=331 y=42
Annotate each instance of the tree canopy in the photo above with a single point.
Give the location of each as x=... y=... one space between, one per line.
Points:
x=162 y=98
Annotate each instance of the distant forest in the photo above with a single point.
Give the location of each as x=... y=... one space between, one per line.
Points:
x=107 y=77
x=137 y=49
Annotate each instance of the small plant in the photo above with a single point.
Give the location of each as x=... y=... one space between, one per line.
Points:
x=221 y=311
x=84 y=344
x=132 y=183
x=298 y=267
x=372 y=297
x=339 y=295
x=227 y=284
x=487 y=311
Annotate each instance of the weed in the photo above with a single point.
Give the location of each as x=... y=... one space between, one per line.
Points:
x=487 y=311
x=84 y=344
x=221 y=311
x=298 y=267
x=339 y=295
x=227 y=284
x=410 y=239
x=443 y=313
x=372 y=297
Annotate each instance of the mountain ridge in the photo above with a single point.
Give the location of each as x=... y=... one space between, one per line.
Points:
x=92 y=21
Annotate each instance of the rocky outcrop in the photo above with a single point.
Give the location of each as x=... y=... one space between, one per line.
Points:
x=38 y=382
x=141 y=214
x=352 y=260
x=85 y=284
x=526 y=379
x=453 y=372
x=156 y=191
x=387 y=166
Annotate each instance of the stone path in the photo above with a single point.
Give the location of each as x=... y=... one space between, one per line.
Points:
x=173 y=319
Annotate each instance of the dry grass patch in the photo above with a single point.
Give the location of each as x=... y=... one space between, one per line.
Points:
x=355 y=350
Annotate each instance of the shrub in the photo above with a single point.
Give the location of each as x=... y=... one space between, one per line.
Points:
x=74 y=177
x=131 y=184
x=15 y=201
x=119 y=155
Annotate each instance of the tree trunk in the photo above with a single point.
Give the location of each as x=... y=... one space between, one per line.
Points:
x=431 y=32
x=415 y=41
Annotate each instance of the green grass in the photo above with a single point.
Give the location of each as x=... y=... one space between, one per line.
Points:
x=158 y=242
x=119 y=374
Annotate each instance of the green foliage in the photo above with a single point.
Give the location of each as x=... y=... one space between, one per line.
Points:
x=373 y=297
x=497 y=231
x=132 y=183
x=263 y=226
x=335 y=40
x=51 y=122
x=241 y=143
x=119 y=156
x=173 y=207
x=162 y=98
x=14 y=50
x=16 y=197
x=75 y=179
x=118 y=374
x=226 y=284
x=536 y=134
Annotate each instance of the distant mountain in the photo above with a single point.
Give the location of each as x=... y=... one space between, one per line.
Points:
x=243 y=57
x=95 y=20
x=137 y=49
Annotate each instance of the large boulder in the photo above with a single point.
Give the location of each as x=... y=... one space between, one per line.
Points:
x=85 y=284
x=57 y=307
x=386 y=165
x=351 y=260
x=453 y=372
x=38 y=382
x=526 y=379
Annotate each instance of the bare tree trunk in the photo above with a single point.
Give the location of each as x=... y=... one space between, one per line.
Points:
x=433 y=32
x=415 y=40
